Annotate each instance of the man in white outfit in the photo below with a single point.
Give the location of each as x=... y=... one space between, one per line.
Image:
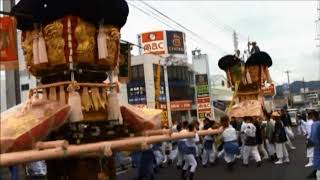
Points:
x=181 y=146
x=242 y=135
x=208 y=151
x=310 y=147
x=250 y=147
x=230 y=142
x=189 y=155
x=301 y=130
x=269 y=136
x=280 y=139
x=286 y=121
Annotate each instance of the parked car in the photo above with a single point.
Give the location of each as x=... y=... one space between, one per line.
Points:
x=293 y=116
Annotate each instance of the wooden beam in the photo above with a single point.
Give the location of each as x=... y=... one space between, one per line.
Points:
x=104 y=147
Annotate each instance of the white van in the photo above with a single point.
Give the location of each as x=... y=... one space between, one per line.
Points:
x=293 y=116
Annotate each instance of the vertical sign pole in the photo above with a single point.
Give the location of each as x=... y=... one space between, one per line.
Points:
x=166 y=83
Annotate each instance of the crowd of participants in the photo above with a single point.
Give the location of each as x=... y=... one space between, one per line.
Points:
x=238 y=139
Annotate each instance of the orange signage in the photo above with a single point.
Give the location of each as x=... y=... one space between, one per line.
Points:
x=180 y=105
x=8 y=43
x=268 y=91
x=140 y=105
x=153 y=42
x=203 y=104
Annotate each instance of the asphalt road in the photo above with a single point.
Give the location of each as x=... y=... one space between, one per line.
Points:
x=268 y=171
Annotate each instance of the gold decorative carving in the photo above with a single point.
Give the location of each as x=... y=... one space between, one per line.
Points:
x=53 y=34
x=86 y=39
x=27 y=47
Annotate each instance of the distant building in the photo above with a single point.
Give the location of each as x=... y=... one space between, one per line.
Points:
x=219 y=88
x=300 y=95
x=141 y=88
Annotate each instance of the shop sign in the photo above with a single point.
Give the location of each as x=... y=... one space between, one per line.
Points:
x=202 y=86
x=175 y=42
x=202 y=90
x=8 y=43
x=201 y=79
x=180 y=105
x=140 y=105
x=153 y=42
x=203 y=103
x=268 y=91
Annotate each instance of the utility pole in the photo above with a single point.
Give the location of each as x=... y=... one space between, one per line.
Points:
x=304 y=92
x=235 y=41
x=288 y=76
x=289 y=94
x=318 y=35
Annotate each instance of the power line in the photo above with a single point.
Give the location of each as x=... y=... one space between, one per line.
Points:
x=183 y=27
x=156 y=17
x=146 y=13
x=223 y=27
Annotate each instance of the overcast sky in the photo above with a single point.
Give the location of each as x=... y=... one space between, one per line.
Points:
x=285 y=29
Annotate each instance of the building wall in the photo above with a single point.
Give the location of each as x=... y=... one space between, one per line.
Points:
x=200 y=64
x=178 y=88
x=3 y=98
x=26 y=80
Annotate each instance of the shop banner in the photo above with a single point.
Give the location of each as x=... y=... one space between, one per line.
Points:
x=153 y=42
x=203 y=104
x=8 y=43
x=124 y=62
x=175 y=42
x=203 y=96
x=180 y=105
x=268 y=91
x=201 y=79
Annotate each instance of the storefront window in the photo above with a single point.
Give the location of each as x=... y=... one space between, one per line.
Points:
x=137 y=72
x=222 y=83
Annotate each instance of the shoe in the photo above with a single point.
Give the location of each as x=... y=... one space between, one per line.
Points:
x=205 y=166
x=245 y=165
x=309 y=165
x=183 y=174
x=155 y=170
x=179 y=167
x=191 y=176
x=212 y=163
x=278 y=162
x=273 y=157
x=287 y=160
x=293 y=148
x=312 y=175
x=259 y=163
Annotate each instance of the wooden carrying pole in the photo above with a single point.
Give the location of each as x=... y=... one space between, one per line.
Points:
x=105 y=147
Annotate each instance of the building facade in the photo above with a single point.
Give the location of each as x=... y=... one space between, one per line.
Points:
x=141 y=87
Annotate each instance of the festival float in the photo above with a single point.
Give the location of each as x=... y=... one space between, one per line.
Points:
x=248 y=81
x=73 y=118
